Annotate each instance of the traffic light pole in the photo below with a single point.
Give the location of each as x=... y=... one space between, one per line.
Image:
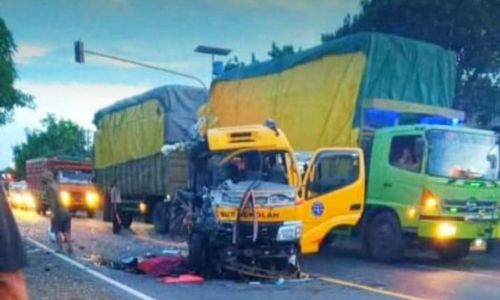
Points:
x=79 y=50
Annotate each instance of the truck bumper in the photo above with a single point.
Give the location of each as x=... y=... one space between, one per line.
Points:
x=454 y=229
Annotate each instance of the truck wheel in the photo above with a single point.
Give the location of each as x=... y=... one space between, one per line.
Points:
x=453 y=251
x=126 y=219
x=385 y=242
x=197 y=253
x=160 y=217
x=90 y=214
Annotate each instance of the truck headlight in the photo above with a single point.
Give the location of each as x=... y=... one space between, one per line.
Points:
x=289 y=231
x=92 y=199
x=65 y=198
x=143 y=207
x=29 y=201
x=446 y=230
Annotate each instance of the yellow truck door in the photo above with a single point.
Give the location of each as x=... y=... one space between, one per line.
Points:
x=333 y=192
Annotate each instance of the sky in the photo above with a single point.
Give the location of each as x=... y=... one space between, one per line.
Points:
x=158 y=32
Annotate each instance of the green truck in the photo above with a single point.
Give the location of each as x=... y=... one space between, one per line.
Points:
x=432 y=182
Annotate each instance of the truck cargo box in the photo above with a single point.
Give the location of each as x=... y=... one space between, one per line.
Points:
x=130 y=135
x=317 y=95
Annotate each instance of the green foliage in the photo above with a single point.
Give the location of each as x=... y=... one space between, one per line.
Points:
x=57 y=137
x=470 y=28
x=277 y=52
x=254 y=59
x=233 y=63
x=10 y=98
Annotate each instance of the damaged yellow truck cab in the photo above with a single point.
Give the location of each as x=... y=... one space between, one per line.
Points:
x=264 y=139
x=330 y=192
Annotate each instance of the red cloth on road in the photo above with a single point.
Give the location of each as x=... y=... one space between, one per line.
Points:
x=186 y=278
x=162 y=265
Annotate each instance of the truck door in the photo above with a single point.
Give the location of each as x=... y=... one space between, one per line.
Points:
x=333 y=192
x=401 y=176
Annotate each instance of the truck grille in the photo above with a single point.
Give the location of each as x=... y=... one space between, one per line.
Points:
x=472 y=207
x=262 y=198
x=78 y=197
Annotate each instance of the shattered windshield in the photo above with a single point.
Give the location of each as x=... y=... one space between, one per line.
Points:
x=462 y=155
x=76 y=177
x=270 y=166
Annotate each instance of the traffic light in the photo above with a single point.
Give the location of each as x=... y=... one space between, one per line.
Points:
x=79 y=52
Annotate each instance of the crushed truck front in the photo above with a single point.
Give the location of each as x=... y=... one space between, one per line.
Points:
x=248 y=218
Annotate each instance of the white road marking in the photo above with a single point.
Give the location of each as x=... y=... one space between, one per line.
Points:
x=94 y=273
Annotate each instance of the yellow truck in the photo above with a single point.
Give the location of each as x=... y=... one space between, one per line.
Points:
x=249 y=207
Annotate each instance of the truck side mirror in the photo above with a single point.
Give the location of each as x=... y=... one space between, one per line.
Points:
x=492 y=159
x=419 y=146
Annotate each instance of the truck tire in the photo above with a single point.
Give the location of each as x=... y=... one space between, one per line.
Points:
x=197 y=258
x=453 y=251
x=160 y=217
x=126 y=219
x=386 y=243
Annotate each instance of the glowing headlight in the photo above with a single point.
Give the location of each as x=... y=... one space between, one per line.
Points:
x=446 y=230
x=289 y=231
x=430 y=203
x=17 y=200
x=92 y=199
x=143 y=207
x=65 y=198
x=29 y=201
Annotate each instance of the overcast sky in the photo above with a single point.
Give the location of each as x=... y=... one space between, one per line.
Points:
x=159 y=32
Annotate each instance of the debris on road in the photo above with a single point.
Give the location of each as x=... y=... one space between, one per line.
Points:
x=163 y=266
x=185 y=278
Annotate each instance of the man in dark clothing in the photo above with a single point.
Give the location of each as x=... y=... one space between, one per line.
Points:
x=12 y=254
x=61 y=218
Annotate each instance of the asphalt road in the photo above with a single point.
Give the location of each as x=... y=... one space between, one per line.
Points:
x=338 y=274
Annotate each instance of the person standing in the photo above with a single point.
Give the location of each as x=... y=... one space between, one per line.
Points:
x=61 y=218
x=12 y=255
x=116 y=200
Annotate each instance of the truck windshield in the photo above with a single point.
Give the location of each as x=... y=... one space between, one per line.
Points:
x=75 y=177
x=270 y=166
x=462 y=155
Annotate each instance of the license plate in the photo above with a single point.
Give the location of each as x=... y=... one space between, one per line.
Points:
x=478 y=245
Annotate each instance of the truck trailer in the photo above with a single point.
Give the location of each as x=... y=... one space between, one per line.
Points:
x=128 y=140
x=431 y=182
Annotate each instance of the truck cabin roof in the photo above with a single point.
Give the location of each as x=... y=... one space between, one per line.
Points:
x=259 y=137
x=425 y=127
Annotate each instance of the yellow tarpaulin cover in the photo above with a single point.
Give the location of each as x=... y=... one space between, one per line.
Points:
x=314 y=103
x=133 y=133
